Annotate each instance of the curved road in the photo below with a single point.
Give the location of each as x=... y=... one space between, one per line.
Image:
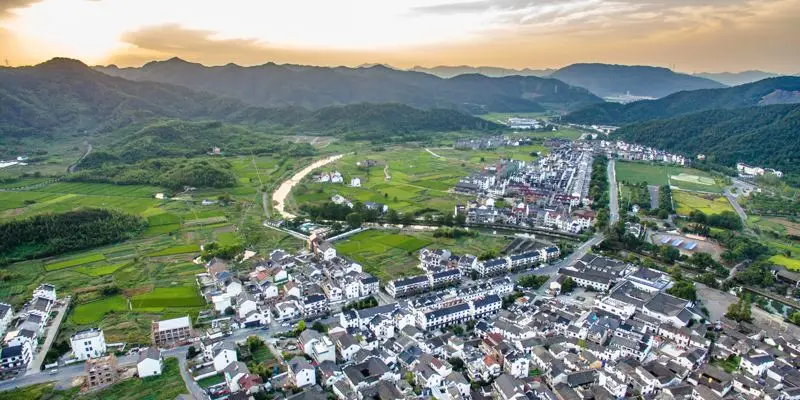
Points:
x=279 y=196
x=71 y=168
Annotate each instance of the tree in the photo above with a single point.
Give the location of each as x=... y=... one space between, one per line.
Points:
x=458 y=330
x=488 y=255
x=254 y=343
x=191 y=352
x=301 y=326
x=319 y=327
x=230 y=311
x=568 y=285
x=740 y=311
x=683 y=289
x=354 y=220
x=456 y=363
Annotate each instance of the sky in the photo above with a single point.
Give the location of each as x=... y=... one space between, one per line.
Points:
x=686 y=35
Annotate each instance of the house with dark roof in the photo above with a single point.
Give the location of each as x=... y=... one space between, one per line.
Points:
x=301 y=373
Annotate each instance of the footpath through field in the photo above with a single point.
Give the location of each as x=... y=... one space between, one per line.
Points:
x=434 y=154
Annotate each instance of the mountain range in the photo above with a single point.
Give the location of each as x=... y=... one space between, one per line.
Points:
x=610 y=80
x=781 y=90
x=445 y=71
x=272 y=85
x=737 y=78
x=64 y=96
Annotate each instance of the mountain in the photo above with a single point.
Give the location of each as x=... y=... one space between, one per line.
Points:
x=737 y=78
x=781 y=90
x=65 y=96
x=272 y=85
x=768 y=136
x=444 y=71
x=611 y=80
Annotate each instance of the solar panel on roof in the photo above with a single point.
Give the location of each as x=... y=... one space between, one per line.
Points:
x=665 y=240
x=691 y=245
x=677 y=242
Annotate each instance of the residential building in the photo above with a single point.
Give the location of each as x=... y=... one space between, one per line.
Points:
x=101 y=371
x=88 y=343
x=150 y=362
x=172 y=331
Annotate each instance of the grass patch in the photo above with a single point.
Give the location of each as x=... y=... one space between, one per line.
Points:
x=88 y=313
x=100 y=270
x=789 y=263
x=94 y=257
x=166 y=386
x=662 y=174
x=183 y=249
x=180 y=296
x=206 y=383
x=686 y=202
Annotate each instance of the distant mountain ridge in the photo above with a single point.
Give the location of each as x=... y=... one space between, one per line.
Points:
x=610 y=80
x=737 y=78
x=272 y=85
x=446 y=71
x=781 y=90
x=66 y=97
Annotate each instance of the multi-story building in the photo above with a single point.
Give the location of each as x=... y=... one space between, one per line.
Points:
x=88 y=343
x=172 y=331
x=315 y=304
x=6 y=315
x=102 y=371
x=369 y=285
x=444 y=278
x=403 y=287
x=16 y=355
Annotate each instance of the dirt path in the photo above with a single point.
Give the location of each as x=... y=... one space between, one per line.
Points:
x=434 y=154
x=280 y=195
x=386 y=175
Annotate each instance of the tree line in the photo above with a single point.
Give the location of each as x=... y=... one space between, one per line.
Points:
x=53 y=234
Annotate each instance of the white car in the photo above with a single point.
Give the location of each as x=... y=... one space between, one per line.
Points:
x=286 y=324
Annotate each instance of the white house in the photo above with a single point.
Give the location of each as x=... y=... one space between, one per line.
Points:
x=224 y=355
x=301 y=372
x=355 y=182
x=757 y=363
x=6 y=314
x=150 y=362
x=45 y=291
x=327 y=251
x=16 y=355
x=287 y=310
x=87 y=344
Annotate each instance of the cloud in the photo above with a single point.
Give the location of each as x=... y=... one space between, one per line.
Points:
x=7 y=5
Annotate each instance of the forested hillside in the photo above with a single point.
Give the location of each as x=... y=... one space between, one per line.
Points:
x=607 y=80
x=53 y=234
x=768 y=136
x=782 y=90
x=272 y=85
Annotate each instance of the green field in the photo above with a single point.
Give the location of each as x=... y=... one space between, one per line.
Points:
x=182 y=249
x=392 y=254
x=94 y=257
x=95 y=311
x=180 y=296
x=100 y=270
x=686 y=202
x=789 y=263
x=662 y=174
x=166 y=386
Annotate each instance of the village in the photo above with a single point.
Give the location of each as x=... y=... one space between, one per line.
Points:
x=462 y=328
x=551 y=192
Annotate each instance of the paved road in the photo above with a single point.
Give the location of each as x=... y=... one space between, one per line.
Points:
x=72 y=167
x=552 y=270
x=614 y=193
x=653 y=189
x=739 y=210
x=52 y=331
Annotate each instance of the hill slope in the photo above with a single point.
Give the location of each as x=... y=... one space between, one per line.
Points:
x=781 y=90
x=608 y=80
x=65 y=97
x=767 y=136
x=272 y=85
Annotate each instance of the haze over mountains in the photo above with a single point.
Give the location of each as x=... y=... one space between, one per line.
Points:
x=737 y=78
x=781 y=90
x=272 y=85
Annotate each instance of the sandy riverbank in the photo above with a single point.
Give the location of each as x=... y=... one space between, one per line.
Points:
x=279 y=196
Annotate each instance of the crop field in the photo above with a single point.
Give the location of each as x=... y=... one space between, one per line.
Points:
x=417 y=180
x=100 y=270
x=686 y=202
x=180 y=296
x=661 y=174
x=392 y=254
x=523 y=153
x=792 y=264
x=95 y=311
x=182 y=249
x=168 y=385
x=94 y=257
